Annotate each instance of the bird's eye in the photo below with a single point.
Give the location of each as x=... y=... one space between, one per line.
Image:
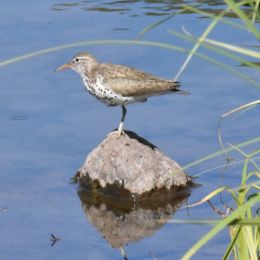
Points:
x=77 y=60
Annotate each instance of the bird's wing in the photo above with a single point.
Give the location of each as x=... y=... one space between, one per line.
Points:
x=129 y=87
x=127 y=81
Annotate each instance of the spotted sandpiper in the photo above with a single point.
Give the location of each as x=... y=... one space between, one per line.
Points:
x=118 y=85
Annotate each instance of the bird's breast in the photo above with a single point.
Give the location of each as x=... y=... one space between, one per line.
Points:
x=104 y=93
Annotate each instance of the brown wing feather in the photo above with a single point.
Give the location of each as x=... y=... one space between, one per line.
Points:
x=131 y=82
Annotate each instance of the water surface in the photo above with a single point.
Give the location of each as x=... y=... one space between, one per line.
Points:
x=49 y=122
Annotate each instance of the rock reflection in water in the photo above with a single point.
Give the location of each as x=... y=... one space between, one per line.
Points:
x=124 y=219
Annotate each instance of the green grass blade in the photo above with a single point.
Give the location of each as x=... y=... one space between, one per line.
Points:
x=234 y=48
x=244 y=173
x=234 y=6
x=247 y=156
x=213 y=222
x=216 y=49
x=247 y=105
x=223 y=20
x=86 y=43
x=200 y=40
x=237 y=109
x=220 y=152
x=206 y=198
x=154 y=25
x=256 y=187
x=248 y=185
x=254 y=153
x=231 y=245
x=221 y=166
x=255 y=174
x=221 y=225
x=127 y=42
x=251 y=244
x=229 y=69
x=256 y=11
x=220 y=64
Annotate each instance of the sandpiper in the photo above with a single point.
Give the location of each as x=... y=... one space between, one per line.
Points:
x=118 y=85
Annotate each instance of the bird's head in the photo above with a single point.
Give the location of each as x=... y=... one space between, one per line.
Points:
x=82 y=62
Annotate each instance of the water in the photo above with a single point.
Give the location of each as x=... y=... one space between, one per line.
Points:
x=49 y=123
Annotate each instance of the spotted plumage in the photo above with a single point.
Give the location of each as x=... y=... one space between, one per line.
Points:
x=117 y=84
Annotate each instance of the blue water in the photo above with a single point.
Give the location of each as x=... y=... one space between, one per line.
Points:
x=49 y=123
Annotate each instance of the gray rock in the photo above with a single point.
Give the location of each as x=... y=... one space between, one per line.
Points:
x=133 y=163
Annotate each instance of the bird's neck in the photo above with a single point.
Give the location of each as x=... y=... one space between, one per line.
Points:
x=87 y=73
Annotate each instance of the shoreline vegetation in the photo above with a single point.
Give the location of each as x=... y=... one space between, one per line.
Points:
x=241 y=215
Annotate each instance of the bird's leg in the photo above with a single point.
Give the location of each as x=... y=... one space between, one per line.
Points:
x=120 y=127
x=120 y=130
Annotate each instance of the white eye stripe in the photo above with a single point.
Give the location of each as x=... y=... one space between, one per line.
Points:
x=77 y=59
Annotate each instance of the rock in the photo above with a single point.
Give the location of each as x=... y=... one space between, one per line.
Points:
x=133 y=163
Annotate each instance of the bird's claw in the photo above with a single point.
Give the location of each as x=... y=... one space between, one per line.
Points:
x=118 y=133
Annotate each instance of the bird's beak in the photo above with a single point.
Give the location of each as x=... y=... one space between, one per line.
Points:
x=63 y=67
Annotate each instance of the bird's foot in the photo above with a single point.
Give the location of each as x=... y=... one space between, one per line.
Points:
x=120 y=130
x=118 y=133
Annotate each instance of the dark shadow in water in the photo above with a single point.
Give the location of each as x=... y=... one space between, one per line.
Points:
x=122 y=218
x=149 y=8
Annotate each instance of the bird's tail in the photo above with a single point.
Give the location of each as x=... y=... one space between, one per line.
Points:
x=176 y=89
